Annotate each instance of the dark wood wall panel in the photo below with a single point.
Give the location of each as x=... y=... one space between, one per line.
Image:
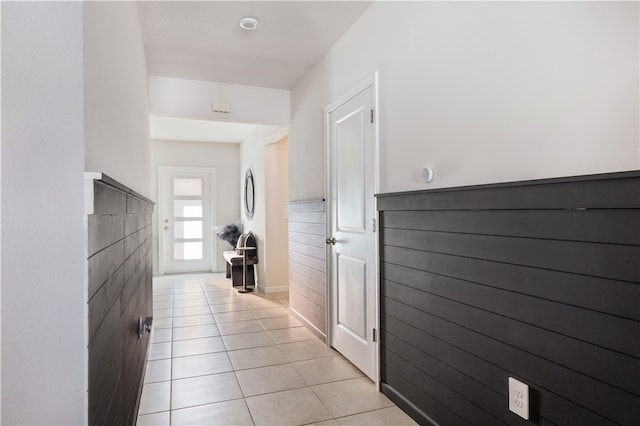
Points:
x=535 y=280
x=307 y=265
x=120 y=272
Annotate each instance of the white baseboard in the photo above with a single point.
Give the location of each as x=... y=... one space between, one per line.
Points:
x=312 y=328
x=275 y=289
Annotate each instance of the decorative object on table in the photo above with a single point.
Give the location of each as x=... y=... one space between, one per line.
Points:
x=229 y=233
x=249 y=194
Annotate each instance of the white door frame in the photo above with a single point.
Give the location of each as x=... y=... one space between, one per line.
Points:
x=161 y=200
x=370 y=81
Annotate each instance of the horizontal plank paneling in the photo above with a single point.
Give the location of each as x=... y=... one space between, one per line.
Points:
x=542 y=375
x=600 y=260
x=303 y=228
x=413 y=392
x=609 y=296
x=610 y=191
x=432 y=386
x=308 y=239
x=119 y=260
x=307 y=264
x=606 y=331
x=563 y=350
x=598 y=226
x=535 y=280
x=484 y=372
x=306 y=206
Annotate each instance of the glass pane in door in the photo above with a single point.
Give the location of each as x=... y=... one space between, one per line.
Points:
x=187 y=208
x=187 y=251
x=187 y=230
x=187 y=187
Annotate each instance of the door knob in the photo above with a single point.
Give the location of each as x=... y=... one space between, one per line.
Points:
x=166 y=228
x=331 y=241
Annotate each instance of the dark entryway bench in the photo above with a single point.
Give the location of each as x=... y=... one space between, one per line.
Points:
x=234 y=260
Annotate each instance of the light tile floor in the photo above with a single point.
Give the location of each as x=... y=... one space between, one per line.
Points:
x=219 y=357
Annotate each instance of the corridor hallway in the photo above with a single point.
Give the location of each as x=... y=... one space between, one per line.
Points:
x=218 y=357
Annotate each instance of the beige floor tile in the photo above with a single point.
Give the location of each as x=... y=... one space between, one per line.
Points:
x=195 y=332
x=158 y=371
x=247 y=340
x=162 y=305
x=190 y=303
x=326 y=370
x=199 y=365
x=188 y=293
x=232 y=413
x=330 y=422
x=311 y=349
x=191 y=310
x=161 y=335
x=263 y=303
x=187 y=288
x=239 y=327
x=275 y=378
x=162 y=288
x=192 y=320
x=221 y=300
x=289 y=335
x=155 y=398
x=271 y=312
x=157 y=419
x=281 y=322
x=197 y=346
x=292 y=407
x=204 y=390
x=188 y=296
x=162 y=313
x=257 y=357
x=352 y=396
x=228 y=307
x=166 y=297
x=162 y=323
x=159 y=351
x=215 y=336
x=392 y=416
x=234 y=316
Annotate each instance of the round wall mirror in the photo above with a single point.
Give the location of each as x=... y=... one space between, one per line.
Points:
x=249 y=195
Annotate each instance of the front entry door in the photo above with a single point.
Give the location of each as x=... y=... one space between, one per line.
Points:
x=186 y=220
x=351 y=223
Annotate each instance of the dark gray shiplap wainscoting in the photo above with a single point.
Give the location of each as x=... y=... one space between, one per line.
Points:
x=119 y=280
x=536 y=280
x=307 y=265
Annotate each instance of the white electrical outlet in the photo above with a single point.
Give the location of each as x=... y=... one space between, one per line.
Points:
x=519 y=398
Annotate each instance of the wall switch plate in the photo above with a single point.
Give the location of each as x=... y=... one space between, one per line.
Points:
x=519 y=398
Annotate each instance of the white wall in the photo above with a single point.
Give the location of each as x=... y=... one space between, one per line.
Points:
x=175 y=97
x=225 y=158
x=252 y=155
x=116 y=105
x=481 y=92
x=276 y=222
x=44 y=335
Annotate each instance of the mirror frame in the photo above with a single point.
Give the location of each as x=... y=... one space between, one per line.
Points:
x=249 y=205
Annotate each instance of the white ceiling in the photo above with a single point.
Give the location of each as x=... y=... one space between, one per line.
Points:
x=201 y=40
x=183 y=129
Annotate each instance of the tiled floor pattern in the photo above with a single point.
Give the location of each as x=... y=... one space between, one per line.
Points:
x=218 y=357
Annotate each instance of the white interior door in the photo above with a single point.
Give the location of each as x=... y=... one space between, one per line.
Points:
x=186 y=220
x=351 y=222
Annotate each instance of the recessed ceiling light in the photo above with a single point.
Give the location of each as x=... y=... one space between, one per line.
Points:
x=248 y=23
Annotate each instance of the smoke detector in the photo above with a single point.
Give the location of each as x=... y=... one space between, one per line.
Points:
x=248 y=23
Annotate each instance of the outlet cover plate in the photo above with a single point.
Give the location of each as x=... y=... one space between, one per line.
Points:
x=519 y=398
